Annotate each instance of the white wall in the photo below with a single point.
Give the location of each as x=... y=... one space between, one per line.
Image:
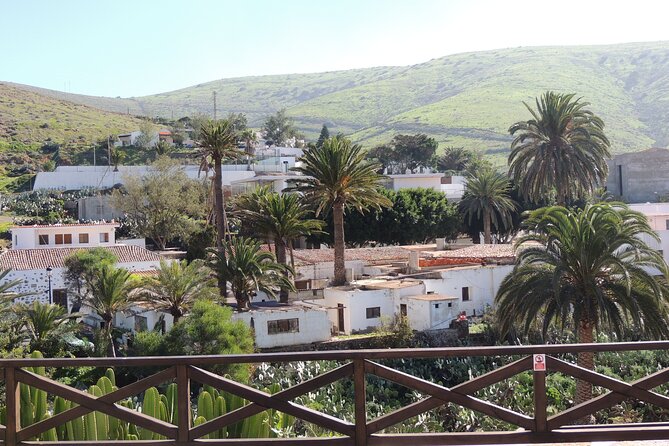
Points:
x=483 y=281
x=127 y=320
x=410 y=181
x=313 y=326
x=325 y=270
x=28 y=237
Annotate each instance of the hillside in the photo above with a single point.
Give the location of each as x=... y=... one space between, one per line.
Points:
x=465 y=99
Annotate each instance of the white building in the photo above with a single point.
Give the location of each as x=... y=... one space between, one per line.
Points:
x=658 y=219
x=430 y=180
x=63 y=236
x=277 y=325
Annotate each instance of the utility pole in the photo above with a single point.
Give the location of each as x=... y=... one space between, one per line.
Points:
x=214 y=94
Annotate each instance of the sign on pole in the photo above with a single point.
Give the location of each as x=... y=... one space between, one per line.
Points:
x=539 y=363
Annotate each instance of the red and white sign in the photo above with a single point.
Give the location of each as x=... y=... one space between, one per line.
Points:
x=539 y=363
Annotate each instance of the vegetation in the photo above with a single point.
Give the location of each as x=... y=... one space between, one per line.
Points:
x=336 y=178
x=281 y=218
x=325 y=134
x=405 y=152
x=248 y=269
x=561 y=150
x=588 y=269
x=81 y=266
x=279 y=127
x=45 y=324
x=487 y=196
x=458 y=160
x=162 y=204
x=177 y=286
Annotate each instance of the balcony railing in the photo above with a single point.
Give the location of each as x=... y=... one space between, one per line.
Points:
x=357 y=365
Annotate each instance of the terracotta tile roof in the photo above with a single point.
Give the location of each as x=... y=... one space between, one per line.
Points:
x=29 y=259
x=477 y=251
x=315 y=256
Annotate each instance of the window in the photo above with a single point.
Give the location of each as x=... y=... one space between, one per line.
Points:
x=63 y=239
x=43 y=239
x=450 y=304
x=436 y=305
x=373 y=312
x=465 y=293
x=141 y=323
x=104 y=237
x=83 y=238
x=666 y=222
x=60 y=297
x=283 y=326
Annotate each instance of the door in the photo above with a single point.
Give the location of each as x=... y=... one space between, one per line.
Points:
x=340 y=317
x=403 y=310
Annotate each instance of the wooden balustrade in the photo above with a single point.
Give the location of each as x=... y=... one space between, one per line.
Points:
x=355 y=365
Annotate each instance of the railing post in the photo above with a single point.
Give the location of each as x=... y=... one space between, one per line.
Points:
x=359 y=386
x=13 y=399
x=539 y=393
x=183 y=403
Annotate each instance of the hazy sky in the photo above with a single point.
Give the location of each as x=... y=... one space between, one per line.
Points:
x=139 y=47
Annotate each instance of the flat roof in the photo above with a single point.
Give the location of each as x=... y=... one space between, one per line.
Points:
x=432 y=297
x=373 y=284
x=67 y=225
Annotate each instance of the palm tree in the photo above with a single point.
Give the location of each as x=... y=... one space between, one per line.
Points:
x=562 y=148
x=110 y=290
x=487 y=195
x=177 y=286
x=6 y=295
x=281 y=218
x=249 y=137
x=44 y=322
x=337 y=177
x=218 y=142
x=588 y=266
x=249 y=269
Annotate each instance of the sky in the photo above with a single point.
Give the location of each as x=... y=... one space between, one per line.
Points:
x=139 y=47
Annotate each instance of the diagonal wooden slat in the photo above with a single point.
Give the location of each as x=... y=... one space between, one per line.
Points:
x=86 y=400
x=447 y=395
x=70 y=414
x=267 y=401
x=603 y=401
x=285 y=395
x=467 y=387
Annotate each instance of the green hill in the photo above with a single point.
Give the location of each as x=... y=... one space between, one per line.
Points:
x=465 y=99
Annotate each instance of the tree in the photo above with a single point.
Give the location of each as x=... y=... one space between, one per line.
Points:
x=281 y=218
x=218 y=142
x=455 y=159
x=238 y=121
x=163 y=148
x=405 y=152
x=561 y=150
x=45 y=323
x=110 y=290
x=116 y=157
x=161 y=203
x=81 y=265
x=250 y=139
x=589 y=266
x=249 y=269
x=279 y=127
x=325 y=134
x=146 y=134
x=487 y=195
x=337 y=177
x=177 y=286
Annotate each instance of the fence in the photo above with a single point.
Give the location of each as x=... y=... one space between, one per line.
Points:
x=356 y=365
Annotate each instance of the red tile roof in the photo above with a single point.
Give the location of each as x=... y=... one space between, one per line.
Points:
x=29 y=259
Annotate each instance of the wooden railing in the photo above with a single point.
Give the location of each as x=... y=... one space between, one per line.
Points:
x=358 y=365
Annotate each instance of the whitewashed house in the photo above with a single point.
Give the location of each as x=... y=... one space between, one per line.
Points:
x=37 y=258
x=278 y=325
x=658 y=219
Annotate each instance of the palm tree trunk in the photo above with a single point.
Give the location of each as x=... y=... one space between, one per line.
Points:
x=587 y=361
x=487 y=236
x=339 y=262
x=280 y=248
x=112 y=347
x=219 y=207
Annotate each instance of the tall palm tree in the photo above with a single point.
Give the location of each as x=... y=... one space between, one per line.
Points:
x=337 y=177
x=487 y=195
x=44 y=322
x=249 y=269
x=177 y=286
x=590 y=267
x=218 y=142
x=109 y=291
x=282 y=218
x=562 y=148
x=249 y=137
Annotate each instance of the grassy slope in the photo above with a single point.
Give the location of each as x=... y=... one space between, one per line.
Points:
x=466 y=99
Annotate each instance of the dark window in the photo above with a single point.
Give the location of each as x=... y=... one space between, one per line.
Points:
x=63 y=239
x=373 y=312
x=60 y=297
x=465 y=293
x=283 y=326
x=436 y=305
x=83 y=238
x=104 y=237
x=43 y=239
x=450 y=304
